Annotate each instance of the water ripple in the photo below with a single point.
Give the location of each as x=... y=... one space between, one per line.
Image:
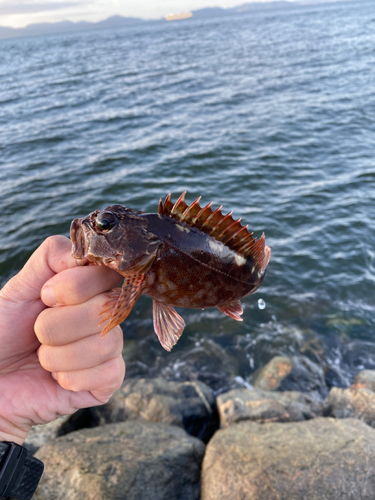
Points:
x=270 y=114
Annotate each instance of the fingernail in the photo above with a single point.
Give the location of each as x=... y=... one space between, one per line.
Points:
x=54 y=376
x=48 y=296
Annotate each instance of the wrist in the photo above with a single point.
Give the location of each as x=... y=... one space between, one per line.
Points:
x=10 y=432
x=19 y=472
x=11 y=438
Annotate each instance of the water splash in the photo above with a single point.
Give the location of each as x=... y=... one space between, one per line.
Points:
x=261 y=304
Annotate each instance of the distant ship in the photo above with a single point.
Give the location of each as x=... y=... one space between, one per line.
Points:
x=176 y=17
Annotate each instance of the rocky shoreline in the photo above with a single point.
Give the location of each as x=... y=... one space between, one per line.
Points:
x=158 y=439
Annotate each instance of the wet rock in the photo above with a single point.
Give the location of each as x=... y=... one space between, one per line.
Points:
x=131 y=460
x=265 y=406
x=335 y=377
x=298 y=373
x=271 y=375
x=319 y=459
x=275 y=339
x=365 y=380
x=190 y=405
x=352 y=402
x=206 y=362
x=357 y=355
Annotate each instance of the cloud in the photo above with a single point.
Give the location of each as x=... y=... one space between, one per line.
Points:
x=17 y=8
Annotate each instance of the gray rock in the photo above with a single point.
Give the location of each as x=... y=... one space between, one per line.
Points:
x=352 y=402
x=265 y=406
x=319 y=459
x=128 y=461
x=365 y=380
x=190 y=405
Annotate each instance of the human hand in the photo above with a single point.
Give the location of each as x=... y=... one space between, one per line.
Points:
x=61 y=364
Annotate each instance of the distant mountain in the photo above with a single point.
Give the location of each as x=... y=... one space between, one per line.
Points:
x=119 y=21
x=264 y=5
x=67 y=26
x=210 y=12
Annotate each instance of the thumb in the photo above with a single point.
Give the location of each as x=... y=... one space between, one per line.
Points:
x=52 y=257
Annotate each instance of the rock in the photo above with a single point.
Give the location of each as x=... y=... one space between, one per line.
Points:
x=276 y=339
x=306 y=376
x=335 y=376
x=39 y=435
x=352 y=402
x=365 y=380
x=319 y=459
x=265 y=406
x=272 y=374
x=298 y=373
x=190 y=405
x=206 y=362
x=130 y=460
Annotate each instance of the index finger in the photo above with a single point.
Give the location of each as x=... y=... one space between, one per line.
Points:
x=77 y=285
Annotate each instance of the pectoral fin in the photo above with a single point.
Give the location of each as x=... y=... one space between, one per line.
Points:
x=121 y=301
x=232 y=309
x=168 y=324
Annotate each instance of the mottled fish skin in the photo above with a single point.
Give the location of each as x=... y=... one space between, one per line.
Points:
x=184 y=256
x=194 y=270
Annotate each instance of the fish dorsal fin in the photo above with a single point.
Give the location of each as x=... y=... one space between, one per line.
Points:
x=212 y=222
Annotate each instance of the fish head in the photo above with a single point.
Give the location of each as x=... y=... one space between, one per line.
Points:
x=105 y=236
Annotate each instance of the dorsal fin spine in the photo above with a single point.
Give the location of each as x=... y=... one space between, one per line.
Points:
x=198 y=217
x=209 y=218
x=237 y=234
x=226 y=221
x=189 y=211
x=222 y=225
x=167 y=205
x=232 y=231
x=226 y=229
x=246 y=247
x=179 y=207
x=212 y=222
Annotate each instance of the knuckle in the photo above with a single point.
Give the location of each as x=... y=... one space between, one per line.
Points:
x=52 y=243
x=45 y=359
x=114 y=374
x=42 y=327
x=109 y=346
x=68 y=381
x=112 y=377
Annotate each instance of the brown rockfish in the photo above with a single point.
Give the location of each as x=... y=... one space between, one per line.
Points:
x=184 y=256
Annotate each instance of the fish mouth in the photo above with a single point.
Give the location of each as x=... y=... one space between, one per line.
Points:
x=79 y=240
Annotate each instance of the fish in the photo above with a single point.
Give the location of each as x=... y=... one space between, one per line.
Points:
x=183 y=256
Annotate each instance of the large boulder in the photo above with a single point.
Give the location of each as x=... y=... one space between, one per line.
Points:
x=128 y=461
x=353 y=402
x=190 y=405
x=319 y=459
x=266 y=406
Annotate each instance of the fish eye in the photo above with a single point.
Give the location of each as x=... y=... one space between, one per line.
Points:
x=105 y=221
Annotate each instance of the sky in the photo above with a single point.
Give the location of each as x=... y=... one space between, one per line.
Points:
x=19 y=13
